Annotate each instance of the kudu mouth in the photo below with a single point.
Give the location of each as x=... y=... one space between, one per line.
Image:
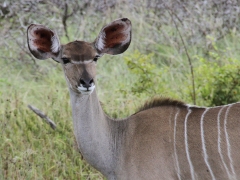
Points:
x=86 y=87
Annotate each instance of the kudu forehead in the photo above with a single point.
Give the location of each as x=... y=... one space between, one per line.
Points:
x=79 y=51
x=79 y=70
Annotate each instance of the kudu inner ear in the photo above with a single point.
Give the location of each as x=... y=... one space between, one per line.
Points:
x=115 y=37
x=42 y=42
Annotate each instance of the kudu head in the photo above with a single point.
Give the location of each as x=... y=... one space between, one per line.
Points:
x=79 y=58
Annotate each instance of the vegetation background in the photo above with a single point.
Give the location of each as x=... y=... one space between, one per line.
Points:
x=188 y=50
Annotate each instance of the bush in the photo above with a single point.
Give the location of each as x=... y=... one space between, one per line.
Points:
x=218 y=84
x=144 y=69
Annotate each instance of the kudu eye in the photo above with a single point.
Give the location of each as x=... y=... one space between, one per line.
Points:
x=65 y=60
x=96 y=58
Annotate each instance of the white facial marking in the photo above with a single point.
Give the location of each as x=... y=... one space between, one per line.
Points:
x=82 y=62
x=86 y=91
x=55 y=44
x=186 y=144
x=204 y=145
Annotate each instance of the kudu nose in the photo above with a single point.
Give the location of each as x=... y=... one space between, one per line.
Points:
x=86 y=83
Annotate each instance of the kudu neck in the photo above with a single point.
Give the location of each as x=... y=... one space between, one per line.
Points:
x=93 y=131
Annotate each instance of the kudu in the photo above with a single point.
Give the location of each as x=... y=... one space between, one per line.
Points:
x=165 y=139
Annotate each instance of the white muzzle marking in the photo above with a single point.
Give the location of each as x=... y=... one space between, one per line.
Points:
x=86 y=91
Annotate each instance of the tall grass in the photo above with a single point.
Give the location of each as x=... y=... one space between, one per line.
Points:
x=30 y=149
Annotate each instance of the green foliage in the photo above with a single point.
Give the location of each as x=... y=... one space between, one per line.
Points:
x=149 y=78
x=144 y=69
x=29 y=148
x=218 y=84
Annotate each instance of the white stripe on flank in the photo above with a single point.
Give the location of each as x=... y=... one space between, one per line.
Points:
x=228 y=143
x=174 y=144
x=219 y=141
x=204 y=145
x=186 y=144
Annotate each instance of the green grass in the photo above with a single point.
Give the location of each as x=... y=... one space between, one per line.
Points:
x=29 y=148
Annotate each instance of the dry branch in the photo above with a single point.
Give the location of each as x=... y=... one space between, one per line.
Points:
x=43 y=116
x=170 y=11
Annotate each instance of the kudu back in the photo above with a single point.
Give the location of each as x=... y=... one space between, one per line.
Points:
x=165 y=139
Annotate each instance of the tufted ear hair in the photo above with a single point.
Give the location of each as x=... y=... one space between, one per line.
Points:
x=43 y=43
x=115 y=37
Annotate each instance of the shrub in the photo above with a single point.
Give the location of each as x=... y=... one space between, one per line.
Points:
x=218 y=84
x=144 y=69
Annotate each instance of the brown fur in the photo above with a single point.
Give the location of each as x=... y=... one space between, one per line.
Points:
x=160 y=101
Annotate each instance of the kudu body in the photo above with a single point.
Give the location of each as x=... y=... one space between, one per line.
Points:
x=166 y=139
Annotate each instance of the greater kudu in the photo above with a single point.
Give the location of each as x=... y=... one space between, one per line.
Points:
x=166 y=139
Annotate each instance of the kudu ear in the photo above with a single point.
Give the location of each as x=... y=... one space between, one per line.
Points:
x=115 y=37
x=42 y=42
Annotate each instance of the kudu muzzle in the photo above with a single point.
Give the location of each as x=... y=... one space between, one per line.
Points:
x=86 y=84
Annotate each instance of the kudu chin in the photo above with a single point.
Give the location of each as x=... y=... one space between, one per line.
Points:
x=166 y=139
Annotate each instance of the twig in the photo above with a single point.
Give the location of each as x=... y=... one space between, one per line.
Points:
x=67 y=15
x=64 y=19
x=43 y=116
x=186 y=51
x=24 y=50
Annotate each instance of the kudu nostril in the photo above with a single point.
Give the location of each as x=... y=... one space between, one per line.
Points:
x=86 y=83
x=91 y=81
x=82 y=82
